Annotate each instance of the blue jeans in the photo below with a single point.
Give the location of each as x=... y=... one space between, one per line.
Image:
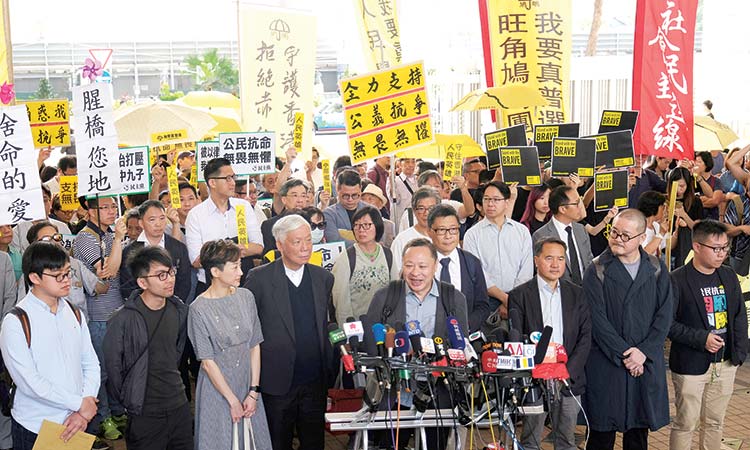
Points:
x=23 y=439
x=107 y=405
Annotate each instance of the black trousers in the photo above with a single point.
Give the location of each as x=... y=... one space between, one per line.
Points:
x=633 y=439
x=171 y=430
x=23 y=439
x=302 y=410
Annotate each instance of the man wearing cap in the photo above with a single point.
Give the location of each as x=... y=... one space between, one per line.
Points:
x=185 y=161
x=374 y=196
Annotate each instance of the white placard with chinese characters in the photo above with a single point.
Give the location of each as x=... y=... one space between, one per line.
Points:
x=17 y=147
x=94 y=125
x=92 y=97
x=249 y=153
x=204 y=152
x=98 y=167
x=329 y=252
x=134 y=171
x=25 y=205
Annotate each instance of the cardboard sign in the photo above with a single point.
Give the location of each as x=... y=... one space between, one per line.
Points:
x=386 y=112
x=543 y=135
x=69 y=192
x=617 y=121
x=453 y=162
x=325 y=168
x=174 y=188
x=611 y=189
x=135 y=175
x=242 y=238
x=514 y=136
x=299 y=128
x=573 y=155
x=614 y=150
x=520 y=165
x=50 y=123
x=249 y=153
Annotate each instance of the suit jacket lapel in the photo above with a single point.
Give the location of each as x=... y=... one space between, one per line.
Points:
x=568 y=313
x=535 y=307
x=320 y=303
x=466 y=287
x=281 y=297
x=699 y=302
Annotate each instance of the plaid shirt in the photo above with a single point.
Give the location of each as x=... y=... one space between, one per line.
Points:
x=90 y=246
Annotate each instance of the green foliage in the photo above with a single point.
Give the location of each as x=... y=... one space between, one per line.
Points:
x=165 y=94
x=213 y=72
x=45 y=90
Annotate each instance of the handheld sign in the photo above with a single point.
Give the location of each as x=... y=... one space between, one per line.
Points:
x=69 y=192
x=520 y=165
x=242 y=237
x=611 y=189
x=573 y=155
x=299 y=128
x=453 y=162
x=325 y=167
x=514 y=136
x=543 y=135
x=617 y=121
x=174 y=188
x=614 y=150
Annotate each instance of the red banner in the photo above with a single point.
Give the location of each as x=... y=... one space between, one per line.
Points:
x=663 y=77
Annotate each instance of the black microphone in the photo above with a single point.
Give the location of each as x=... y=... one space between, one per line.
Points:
x=415 y=333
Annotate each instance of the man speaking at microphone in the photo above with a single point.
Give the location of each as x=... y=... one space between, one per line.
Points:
x=547 y=300
x=420 y=297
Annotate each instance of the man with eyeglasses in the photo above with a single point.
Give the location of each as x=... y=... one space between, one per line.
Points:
x=424 y=200
x=567 y=211
x=630 y=296
x=294 y=197
x=502 y=245
x=55 y=370
x=143 y=345
x=99 y=248
x=457 y=266
x=709 y=338
x=339 y=215
x=216 y=218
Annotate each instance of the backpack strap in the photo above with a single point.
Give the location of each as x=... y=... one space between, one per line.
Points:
x=410 y=211
x=76 y=311
x=388 y=257
x=25 y=323
x=599 y=269
x=352 y=254
x=395 y=288
x=447 y=295
x=655 y=262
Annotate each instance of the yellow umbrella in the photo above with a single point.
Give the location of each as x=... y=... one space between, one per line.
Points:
x=227 y=120
x=443 y=142
x=503 y=97
x=210 y=99
x=138 y=123
x=709 y=134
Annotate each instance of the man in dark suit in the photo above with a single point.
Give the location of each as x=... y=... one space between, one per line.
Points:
x=456 y=266
x=567 y=210
x=292 y=297
x=293 y=195
x=153 y=219
x=709 y=338
x=548 y=300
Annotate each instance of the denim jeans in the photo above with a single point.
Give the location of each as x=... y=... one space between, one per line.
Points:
x=107 y=406
x=23 y=439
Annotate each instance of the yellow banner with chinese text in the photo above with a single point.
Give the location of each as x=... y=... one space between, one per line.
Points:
x=453 y=161
x=174 y=188
x=50 y=122
x=386 y=112
x=69 y=192
x=378 y=26
x=325 y=168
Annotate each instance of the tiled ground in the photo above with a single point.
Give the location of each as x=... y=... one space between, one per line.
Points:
x=736 y=431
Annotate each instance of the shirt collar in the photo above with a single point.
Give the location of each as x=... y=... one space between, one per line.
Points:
x=96 y=229
x=292 y=272
x=544 y=286
x=213 y=207
x=559 y=225
x=452 y=255
x=142 y=238
x=433 y=290
x=484 y=223
x=36 y=300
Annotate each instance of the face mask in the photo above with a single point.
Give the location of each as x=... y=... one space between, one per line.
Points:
x=317 y=236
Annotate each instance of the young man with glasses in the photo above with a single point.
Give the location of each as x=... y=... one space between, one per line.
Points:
x=457 y=266
x=216 y=217
x=567 y=211
x=56 y=371
x=709 y=338
x=143 y=345
x=339 y=215
x=99 y=248
x=630 y=296
x=502 y=245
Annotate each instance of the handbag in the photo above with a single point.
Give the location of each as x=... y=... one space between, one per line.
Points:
x=248 y=435
x=343 y=400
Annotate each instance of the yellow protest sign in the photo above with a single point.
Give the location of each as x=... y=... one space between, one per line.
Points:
x=50 y=122
x=386 y=112
x=242 y=238
x=325 y=167
x=611 y=118
x=378 y=25
x=174 y=188
x=177 y=147
x=672 y=204
x=299 y=126
x=530 y=45
x=194 y=175
x=453 y=161
x=69 y=192
x=167 y=136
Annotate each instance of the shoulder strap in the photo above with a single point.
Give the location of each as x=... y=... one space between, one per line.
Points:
x=76 y=311
x=388 y=257
x=25 y=323
x=599 y=269
x=411 y=216
x=408 y=188
x=447 y=295
x=655 y=262
x=391 y=299
x=352 y=254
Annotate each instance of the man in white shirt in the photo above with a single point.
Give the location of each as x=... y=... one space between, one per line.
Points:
x=65 y=166
x=403 y=188
x=216 y=217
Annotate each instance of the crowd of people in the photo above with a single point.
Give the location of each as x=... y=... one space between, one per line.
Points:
x=119 y=314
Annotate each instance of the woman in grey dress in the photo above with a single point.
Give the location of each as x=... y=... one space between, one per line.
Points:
x=224 y=329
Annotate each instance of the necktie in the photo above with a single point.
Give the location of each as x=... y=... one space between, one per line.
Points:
x=445 y=274
x=575 y=268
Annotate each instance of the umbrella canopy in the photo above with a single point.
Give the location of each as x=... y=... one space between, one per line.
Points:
x=503 y=97
x=227 y=120
x=210 y=99
x=468 y=147
x=709 y=134
x=136 y=124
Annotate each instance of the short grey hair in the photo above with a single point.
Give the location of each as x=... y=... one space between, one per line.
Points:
x=635 y=216
x=290 y=184
x=423 y=193
x=425 y=176
x=287 y=224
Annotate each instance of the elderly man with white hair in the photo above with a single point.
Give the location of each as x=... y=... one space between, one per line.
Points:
x=292 y=297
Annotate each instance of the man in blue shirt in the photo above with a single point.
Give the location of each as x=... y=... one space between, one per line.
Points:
x=55 y=369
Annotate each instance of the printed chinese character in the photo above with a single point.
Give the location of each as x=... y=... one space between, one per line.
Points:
x=43 y=137
x=548 y=22
x=91 y=101
x=354 y=119
x=519 y=73
x=511 y=23
x=7 y=125
x=15 y=180
x=373 y=85
x=61 y=111
x=421 y=130
x=350 y=91
x=61 y=135
x=94 y=126
x=418 y=104
x=377 y=118
x=401 y=138
x=99 y=182
x=513 y=47
x=9 y=153
x=394 y=82
x=18 y=209
x=397 y=110
x=265 y=52
x=41 y=113
x=415 y=76
x=97 y=157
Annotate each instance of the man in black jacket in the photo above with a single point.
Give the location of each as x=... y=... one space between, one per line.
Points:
x=709 y=338
x=142 y=350
x=548 y=300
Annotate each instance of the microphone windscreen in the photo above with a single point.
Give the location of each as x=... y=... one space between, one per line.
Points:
x=489 y=362
x=455 y=335
x=541 y=347
x=402 y=342
x=390 y=338
x=378 y=333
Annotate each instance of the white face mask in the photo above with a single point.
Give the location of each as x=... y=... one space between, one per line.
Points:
x=317 y=236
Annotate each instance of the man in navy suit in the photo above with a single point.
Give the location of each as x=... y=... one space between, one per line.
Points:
x=456 y=266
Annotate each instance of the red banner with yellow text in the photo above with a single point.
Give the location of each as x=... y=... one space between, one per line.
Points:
x=663 y=77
